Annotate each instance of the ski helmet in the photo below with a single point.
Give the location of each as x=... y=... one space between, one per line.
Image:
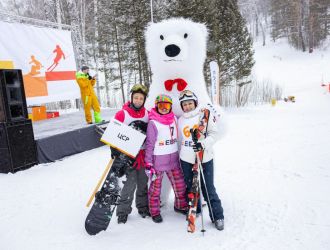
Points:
x=139 y=88
x=163 y=99
x=188 y=95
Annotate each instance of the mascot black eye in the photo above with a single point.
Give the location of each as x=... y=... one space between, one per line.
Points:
x=161 y=37
x=185 y=35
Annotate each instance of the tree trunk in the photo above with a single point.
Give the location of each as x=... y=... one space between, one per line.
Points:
x=96 y=50
x=119 y=62
x=138 y=55
x=310 y=26
x=138 y=43
x=106 y=75
x=263 y=34
x=83 y=28
x=257 y=24
x=301 y=24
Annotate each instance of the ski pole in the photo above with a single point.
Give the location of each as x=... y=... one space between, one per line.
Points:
x=207 y=193
x=200 y=196
x=105 y=172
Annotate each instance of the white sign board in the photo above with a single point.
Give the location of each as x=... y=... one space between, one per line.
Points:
x=214 y=69
x=123 y=137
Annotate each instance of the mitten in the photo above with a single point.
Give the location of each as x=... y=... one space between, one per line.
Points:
x=139 y=160
x=150 y=172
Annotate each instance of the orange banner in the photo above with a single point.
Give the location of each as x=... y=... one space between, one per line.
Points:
x=60 y=75
x=35 y=86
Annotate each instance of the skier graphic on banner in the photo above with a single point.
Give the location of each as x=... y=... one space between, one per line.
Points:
x=59 y=55
x=35 y=67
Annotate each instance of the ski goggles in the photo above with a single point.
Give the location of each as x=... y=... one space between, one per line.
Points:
x=164 y=105
x=187 y=95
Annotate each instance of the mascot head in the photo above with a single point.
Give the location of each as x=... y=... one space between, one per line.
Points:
x=176 y=47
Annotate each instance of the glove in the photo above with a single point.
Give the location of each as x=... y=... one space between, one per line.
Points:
x=89 y=76
x=139 y=160
x=150 y=172
x=148 y=165
x=198 y=147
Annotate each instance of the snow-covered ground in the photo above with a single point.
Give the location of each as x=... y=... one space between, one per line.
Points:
x=272 y=174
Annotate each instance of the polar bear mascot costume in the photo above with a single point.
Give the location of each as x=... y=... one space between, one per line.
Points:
x=176 y=50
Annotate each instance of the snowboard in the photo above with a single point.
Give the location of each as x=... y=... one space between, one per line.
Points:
x=101 y=127
x=107 y=198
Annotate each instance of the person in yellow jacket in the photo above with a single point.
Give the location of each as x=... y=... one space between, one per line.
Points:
x=88 y=96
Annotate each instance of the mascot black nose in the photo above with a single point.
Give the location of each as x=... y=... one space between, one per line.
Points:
x=172 y=50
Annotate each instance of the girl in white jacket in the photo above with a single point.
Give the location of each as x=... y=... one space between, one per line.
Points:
x=190 y=120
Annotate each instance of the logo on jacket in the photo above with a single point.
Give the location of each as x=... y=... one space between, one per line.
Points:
x=187 y=143
x=167 y=142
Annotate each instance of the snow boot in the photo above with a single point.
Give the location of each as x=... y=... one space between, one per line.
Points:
x=97 y=117
x=219 y=224
x=157 y=218
x=122 y=219
x=181 y=211
x=144 y=212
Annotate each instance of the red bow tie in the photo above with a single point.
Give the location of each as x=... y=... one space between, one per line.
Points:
x=180 y=84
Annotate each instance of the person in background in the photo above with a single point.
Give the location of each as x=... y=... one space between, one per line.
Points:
x=88 y=96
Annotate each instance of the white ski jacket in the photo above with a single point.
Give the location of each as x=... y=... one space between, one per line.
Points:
x=185 y=123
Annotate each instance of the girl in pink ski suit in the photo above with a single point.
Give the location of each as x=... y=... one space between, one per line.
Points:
x=162 y=156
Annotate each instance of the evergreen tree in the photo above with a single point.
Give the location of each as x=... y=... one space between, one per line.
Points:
x=303 y=22
x=229 y=41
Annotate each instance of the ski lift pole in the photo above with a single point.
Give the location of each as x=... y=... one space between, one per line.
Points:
x=151 y=10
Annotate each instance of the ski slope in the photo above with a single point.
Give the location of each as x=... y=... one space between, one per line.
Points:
x=272 y=174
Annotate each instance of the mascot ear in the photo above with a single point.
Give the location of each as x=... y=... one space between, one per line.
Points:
x=203 y=29
x=147 y=30
x=150 y=30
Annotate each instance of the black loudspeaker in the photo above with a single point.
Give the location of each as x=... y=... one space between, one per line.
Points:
x=17 y=146
x=12 y=96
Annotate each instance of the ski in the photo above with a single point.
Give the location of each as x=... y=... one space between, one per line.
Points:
x=194 y=192
x=193 y=197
